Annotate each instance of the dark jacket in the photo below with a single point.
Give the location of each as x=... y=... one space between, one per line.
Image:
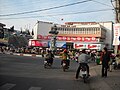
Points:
x=105 y=59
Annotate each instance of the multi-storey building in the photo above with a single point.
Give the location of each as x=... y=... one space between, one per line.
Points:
x=78 y=35
x=90 y=35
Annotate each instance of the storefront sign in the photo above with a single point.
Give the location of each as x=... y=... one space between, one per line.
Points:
x=66 y=38
x=38 y=43
x=79 y=46
x=87 y=46
x=59 y=44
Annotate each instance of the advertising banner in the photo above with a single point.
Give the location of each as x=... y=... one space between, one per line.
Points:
x=87 y=46
x=116 y=34
x=80 y=46
x=68 y=38
x=38 y=43
x=59 y=44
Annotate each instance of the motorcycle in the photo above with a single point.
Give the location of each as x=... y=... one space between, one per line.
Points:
x=114 y=64
x=83 y=73
x=47 y=64
x=65 y=65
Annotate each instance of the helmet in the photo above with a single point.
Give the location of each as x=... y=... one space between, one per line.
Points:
x=65 y=51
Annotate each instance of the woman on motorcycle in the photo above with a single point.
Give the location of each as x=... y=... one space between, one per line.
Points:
x=65 y=57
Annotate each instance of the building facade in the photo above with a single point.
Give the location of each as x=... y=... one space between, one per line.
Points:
x=78 y=35
x=40 y=34
x=89 y=35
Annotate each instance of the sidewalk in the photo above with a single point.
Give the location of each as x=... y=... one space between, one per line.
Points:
x=112 y=82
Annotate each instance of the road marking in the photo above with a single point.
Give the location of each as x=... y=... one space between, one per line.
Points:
x=7 y=86
x=35 y=88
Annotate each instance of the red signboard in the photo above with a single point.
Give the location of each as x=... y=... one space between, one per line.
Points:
x=87 y=46
x=66 y=38
x=38 y=43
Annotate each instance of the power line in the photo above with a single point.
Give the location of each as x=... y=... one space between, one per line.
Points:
x=69 y=13
x=25 y=4
x=28 y=12
x=101 y=3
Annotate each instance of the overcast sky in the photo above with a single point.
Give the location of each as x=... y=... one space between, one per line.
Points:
x=101 y=11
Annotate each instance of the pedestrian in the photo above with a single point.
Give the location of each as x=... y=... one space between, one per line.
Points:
x=105 y=60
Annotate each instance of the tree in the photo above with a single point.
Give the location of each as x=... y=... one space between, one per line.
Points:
x=12 y=29
x=32 y=32
x=28 y=32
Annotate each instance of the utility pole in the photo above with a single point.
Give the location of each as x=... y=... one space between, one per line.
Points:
x=117 y=19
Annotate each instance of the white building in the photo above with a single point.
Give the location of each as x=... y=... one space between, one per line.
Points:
x=109 y=33
x=41 y=28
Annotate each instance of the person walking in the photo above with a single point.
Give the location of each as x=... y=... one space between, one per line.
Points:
x=105 y=60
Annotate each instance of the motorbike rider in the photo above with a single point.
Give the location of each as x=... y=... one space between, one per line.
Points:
x=49 y=57
x=83 y=60
x=65 y=57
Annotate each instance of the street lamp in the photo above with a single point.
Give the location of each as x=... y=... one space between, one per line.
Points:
x=54 y=34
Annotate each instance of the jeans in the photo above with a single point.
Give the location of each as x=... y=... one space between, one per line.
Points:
x=104 y=70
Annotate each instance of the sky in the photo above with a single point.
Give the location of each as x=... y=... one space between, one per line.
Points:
x=90 y=11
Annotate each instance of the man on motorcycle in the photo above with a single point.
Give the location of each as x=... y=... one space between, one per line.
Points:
x=83 y=60
x=49 y=57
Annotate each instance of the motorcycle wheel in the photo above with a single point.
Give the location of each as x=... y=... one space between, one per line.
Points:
x=84 y=79
x=64 y=68
x=45 y=66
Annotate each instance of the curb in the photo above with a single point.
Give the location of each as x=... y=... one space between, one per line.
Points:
x=31 y=55
x=22 y=54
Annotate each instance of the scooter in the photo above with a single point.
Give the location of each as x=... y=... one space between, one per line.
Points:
x=83 y=73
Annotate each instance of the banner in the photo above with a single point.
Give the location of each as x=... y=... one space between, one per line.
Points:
x=87 y=46
x=68 y=38
x=116 y=34
x=38 y=43
x=59 y=44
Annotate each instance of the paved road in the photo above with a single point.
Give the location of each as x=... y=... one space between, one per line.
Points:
x=27 y=73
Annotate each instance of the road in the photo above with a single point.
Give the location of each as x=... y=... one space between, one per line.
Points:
x=28 y=73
